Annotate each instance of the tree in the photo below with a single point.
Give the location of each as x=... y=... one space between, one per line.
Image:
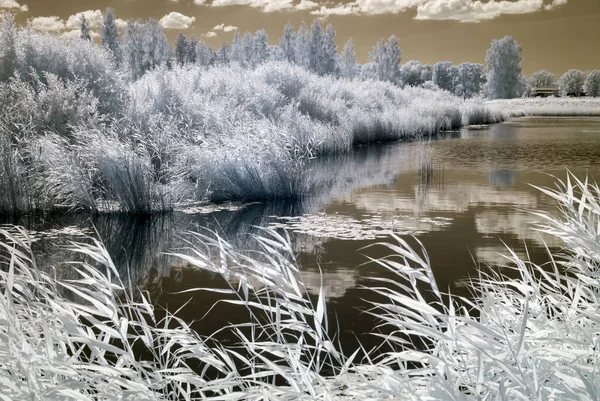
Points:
x=109 y=36
x=84 y=28
x=468 y=80
x=348 y=66
x=146 y=47
x=571 y=83
x=205 y=56
x=260 y=47
x=134 y=48
x=543 y=79
x=302 y=46
x=8 y=49
x=287 y=42
x=316 y=57
x=413 y=73
x=445 y=75
x=237 y=53
x=503 y=60
x=181 y=49
x=386 y=58
x=190 y=56
x=156 y=47
x=591 y=85
x=330 y=62
x=222 y=54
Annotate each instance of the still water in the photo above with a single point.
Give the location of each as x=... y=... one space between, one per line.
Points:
x=463 y=196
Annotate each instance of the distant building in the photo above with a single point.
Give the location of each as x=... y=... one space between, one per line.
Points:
x=545 y=92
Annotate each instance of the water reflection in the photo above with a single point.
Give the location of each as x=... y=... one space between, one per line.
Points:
x=463 y=197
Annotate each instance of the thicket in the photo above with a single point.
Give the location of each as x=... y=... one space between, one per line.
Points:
x=79 y=133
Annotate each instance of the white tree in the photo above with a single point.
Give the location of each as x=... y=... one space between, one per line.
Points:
x=8 y=48
x=222 y=54
x=156 y=47
x=109 y=35
x=181 y=49
x=84 y=28
x=330 y=62
x=543 y=79
x=503 y=71
x=468 y=80
x=445 y=75
x=571 y=83
x=316 y=56
x=190 y=56
x=260 y=47
x=348 y=60
x=302 y=46
x=205 y=56
x=134 y=48
x=414 y=73
x=287 y=42
x=237 y=53
x=386 y=58
x=591 y=85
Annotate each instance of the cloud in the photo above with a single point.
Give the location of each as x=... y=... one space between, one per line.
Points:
x=264 y=5
x=210 y=34
x=225 y=28
x=459 y=10
x=200 y=2
x=94 y=19
x=175 y=20
x=474 y=11
x=306 y=5
x=48 y=24
x=76 y=33
x=13 y=4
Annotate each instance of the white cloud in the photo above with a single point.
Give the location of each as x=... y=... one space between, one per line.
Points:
x=200 y=2
x=121 y=24
x=459 y=10
x=93 y=17
x=225 y=28
x=175 y=20
x=264 y=5
x=306 y=5
x=474 y=11
x=76 y=33
x=13 y=4
x=210 y=34
x=47 y=24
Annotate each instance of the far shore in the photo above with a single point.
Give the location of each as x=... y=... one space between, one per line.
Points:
x=550 y=106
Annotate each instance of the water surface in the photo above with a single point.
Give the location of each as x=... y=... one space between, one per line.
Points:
x=465 y=197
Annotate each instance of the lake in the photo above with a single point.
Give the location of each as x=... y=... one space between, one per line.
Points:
x=465 y=196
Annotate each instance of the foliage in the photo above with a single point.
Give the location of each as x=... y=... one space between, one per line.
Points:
x=503 y=68
x=530 y=336
x=571 y=83
x=591 y=86
x=543 y=79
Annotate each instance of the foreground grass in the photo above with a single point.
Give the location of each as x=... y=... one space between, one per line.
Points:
x=535 y=337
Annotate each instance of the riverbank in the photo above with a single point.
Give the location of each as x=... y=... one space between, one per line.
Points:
x=82 y=137
x=541 y=324
x=550 y=107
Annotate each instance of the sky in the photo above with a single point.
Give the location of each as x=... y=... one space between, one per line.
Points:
x=555 y=35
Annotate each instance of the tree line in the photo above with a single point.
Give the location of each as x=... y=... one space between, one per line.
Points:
x=144 y=46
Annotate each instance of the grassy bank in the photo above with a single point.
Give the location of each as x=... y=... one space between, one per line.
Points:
x=535 y=337
x=78 y=134
x=550 y=107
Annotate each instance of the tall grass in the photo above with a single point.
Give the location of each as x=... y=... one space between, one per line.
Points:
x=190 y=134
x=530 y=337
